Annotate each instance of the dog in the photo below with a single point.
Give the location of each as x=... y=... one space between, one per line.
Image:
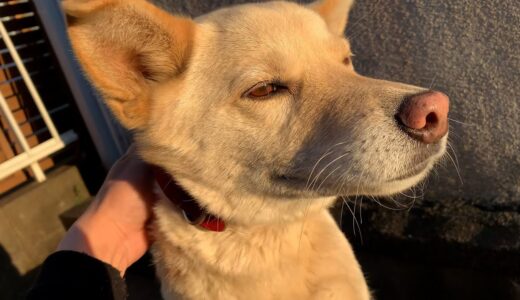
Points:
x=256 y=121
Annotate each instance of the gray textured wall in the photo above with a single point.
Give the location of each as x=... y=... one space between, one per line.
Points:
x=468 y=49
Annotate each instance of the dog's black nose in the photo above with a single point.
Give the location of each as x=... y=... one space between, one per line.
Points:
x=424 y=116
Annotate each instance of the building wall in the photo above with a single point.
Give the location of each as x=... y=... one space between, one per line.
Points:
x=469 y=50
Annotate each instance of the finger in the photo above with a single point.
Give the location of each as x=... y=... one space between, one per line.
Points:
x=131 y=167
x=130 y=154
x=135 y=175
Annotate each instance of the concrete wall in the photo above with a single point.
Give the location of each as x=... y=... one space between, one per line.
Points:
x=468 y=49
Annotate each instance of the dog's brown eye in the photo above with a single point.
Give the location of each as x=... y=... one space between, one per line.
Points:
x=262 y=90
x=347 y=61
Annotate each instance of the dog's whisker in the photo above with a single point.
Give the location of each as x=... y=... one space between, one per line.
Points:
x=313 y=183
x=307 y=186
x=414 y=195
x=414 y=190
x=341 y=215
x=456 y=167
x=454 y=134
x=305 y=215
x=384 y=206
x=325 y=179
x=408 y=196
x=354 y=214
x=361 y=211
x=343 y=179
x=328 y=152
x=433 y=82
x=354 y=221
x=397 y=203
x=450 y=147
x=460 y=122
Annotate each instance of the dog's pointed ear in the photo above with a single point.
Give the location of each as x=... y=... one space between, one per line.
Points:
x=126 y=47
x=334 y=12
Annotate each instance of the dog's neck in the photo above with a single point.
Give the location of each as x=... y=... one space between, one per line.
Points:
x=192 y=211
x=229 y=201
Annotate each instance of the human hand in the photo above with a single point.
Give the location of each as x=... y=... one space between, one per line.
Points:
x=114 y=227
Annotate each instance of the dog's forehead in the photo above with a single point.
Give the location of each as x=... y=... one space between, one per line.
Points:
x=267 y=33
x=269 y=21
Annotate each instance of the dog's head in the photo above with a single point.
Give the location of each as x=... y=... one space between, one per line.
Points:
x=258 y=104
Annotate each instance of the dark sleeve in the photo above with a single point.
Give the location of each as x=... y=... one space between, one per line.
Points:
x=73 y=275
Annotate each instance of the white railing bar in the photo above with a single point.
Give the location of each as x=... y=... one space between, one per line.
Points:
x=37 y=153
x=23 y=30
x=10 y=65
x=23 y=46
x=30 y=85
x=27 y=60
x=36 y=133
x=37 y=118
x=17 y=78
x=17 y=17
x=14 y=2
x=8 y=114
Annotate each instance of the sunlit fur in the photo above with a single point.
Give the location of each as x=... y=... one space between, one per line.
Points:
x=269 y=167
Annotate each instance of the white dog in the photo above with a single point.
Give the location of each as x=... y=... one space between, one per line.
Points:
x=258 y=114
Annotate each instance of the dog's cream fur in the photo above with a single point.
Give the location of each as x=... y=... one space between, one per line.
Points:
x=269 y=167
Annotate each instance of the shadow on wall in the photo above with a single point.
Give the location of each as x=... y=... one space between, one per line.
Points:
x=13 y=285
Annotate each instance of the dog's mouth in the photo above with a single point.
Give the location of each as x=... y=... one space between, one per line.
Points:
x=404 y=180
x=329 y=179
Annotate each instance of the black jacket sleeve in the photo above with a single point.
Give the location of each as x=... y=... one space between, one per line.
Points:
x=73 y=275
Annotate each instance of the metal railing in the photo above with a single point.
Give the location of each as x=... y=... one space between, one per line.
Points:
x=30 y=156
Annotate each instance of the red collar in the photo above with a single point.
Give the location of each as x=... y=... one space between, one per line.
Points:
x=192 y=211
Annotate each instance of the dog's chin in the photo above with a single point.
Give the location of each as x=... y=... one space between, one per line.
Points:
x=385 y=188
x=395 y=186
x=299 y=187
x=404 y=181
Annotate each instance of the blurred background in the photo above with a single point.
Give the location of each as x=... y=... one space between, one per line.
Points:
x=455 y=237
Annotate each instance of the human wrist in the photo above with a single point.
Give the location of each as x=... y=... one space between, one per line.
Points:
x=95 y=236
